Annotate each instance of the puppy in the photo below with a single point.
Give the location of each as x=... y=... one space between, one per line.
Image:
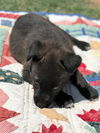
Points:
x=49 y=61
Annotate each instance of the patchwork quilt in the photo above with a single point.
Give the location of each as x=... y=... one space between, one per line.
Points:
x=18 y=113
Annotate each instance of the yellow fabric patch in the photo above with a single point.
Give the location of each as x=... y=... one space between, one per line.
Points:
x=52 y=114
x=95 y=45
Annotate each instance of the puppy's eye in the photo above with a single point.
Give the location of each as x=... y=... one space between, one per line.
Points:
x=36 y=83
x=56 y=89
x=62 y=63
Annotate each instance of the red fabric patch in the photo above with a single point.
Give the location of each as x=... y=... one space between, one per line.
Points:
x=83 y=70
x=6 y=114
x=6 y=54
x=91 y=116
x=9 y=15
x=7 y=127
x=78 y=21
x=51 y=129
x=3 y=97
x=95 y=83
x=86 y=22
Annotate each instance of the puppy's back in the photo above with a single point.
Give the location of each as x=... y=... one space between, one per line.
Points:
x=31 y=27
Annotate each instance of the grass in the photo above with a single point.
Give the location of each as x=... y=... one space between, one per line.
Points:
x=59 y=6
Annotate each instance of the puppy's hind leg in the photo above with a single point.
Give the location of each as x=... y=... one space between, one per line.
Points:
x=81 y=44
x=85 y=89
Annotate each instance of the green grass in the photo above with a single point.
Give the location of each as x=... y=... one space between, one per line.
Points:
x=59 y=6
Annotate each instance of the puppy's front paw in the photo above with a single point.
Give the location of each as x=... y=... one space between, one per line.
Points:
x=64 y=101
x=69 y=103
x=93 y=94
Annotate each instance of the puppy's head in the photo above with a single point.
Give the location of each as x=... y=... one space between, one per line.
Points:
x=48 y=71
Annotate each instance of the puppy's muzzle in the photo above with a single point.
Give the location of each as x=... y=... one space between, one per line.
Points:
x=42 y=102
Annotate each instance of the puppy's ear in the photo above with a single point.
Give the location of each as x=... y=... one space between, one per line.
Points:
x=71 y=62
x=34 y=52
x=26 y=71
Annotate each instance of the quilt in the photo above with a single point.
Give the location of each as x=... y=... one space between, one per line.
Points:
x=18 y=112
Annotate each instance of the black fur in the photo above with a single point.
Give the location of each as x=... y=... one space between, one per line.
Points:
x=49 y=61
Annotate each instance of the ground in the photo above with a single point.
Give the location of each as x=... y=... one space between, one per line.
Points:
x=87 y=8
x=95 y=2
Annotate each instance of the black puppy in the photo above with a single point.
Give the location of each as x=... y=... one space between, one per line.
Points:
x=49 y=61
